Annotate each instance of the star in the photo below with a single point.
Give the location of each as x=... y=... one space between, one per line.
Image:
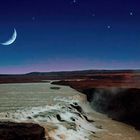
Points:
x=93 y=15
x=108 y=26
x=131 y=13
x=74 y=1
x=33 y=18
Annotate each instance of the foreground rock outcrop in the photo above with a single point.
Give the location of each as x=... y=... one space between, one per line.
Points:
x=21 y=131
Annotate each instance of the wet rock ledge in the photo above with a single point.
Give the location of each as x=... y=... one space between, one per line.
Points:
x=21 y=131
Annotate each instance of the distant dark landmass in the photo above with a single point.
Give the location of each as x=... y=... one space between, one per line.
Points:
x=92 y=76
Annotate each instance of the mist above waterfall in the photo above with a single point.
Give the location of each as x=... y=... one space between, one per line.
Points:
x=118 y=103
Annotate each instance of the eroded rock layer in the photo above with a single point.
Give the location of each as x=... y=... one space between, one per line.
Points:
x=21 y=131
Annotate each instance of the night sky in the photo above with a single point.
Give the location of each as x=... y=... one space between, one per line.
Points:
x=60 y=35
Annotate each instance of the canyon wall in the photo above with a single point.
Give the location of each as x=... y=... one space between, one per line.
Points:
x=122 y=104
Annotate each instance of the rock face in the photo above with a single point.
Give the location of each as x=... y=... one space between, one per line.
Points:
x=115 y=93
x=21 y=131
x=122 y=104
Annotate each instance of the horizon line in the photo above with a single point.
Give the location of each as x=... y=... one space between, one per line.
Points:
x=78 y=70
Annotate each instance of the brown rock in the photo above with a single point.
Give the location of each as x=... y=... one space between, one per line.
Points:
x=21 y=131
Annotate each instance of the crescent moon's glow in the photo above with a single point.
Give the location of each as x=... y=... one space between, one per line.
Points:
x=11 y=40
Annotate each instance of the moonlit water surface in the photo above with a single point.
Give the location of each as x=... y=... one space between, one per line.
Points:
x=19 y=96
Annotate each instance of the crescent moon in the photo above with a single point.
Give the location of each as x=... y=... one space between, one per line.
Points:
x=11 y=40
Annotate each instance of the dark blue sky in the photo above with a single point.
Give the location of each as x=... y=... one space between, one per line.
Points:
x=66 y=35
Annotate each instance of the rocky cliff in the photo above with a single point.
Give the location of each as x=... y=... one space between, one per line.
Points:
x=21 y=131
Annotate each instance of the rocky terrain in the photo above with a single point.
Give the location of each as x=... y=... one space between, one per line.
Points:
x=21 y=131
x=93 y=78
x=115 y=93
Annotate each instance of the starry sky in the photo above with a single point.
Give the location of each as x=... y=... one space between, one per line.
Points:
x=65 y=35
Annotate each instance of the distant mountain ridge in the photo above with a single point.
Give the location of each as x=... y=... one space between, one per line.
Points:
x=76 y=72
x=82 y=72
